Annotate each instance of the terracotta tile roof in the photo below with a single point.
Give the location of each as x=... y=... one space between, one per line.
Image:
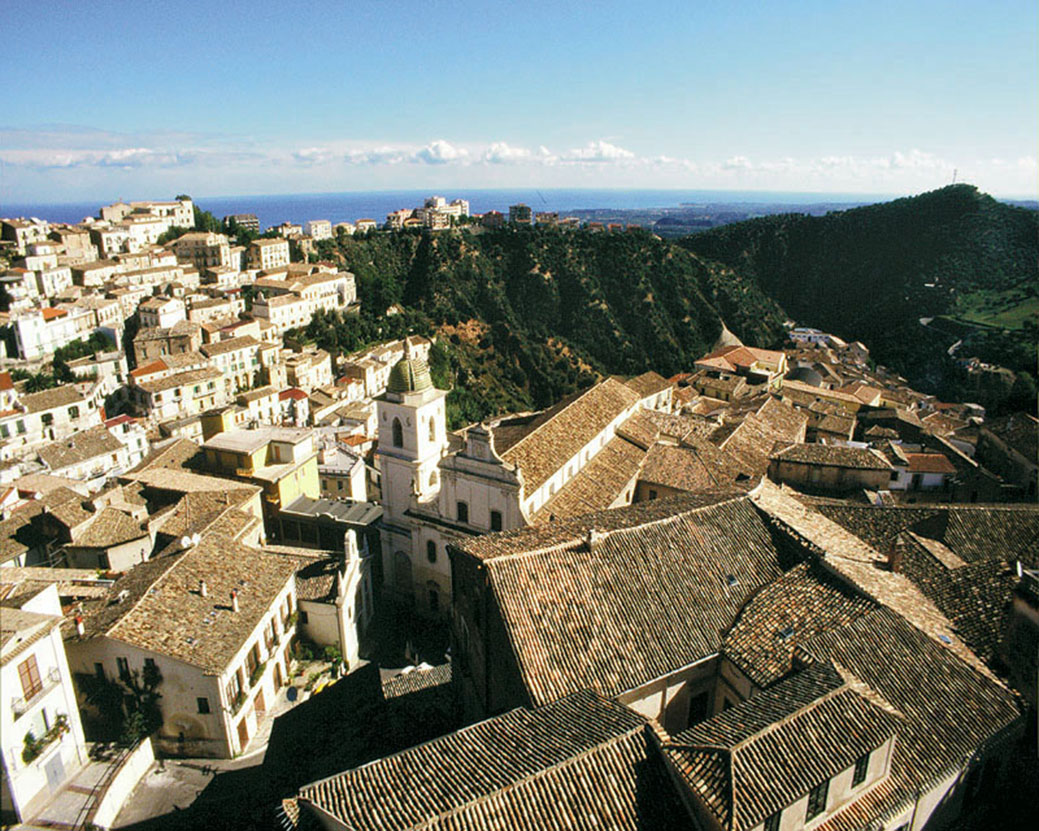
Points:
x=38 y=402
x=949 y=710
x=680 y=426
x=112 y=527
x=768 y=752
x=648 y=383
x=929 y=463
x=558 y=434
x=863 y=565
x=585 y=763
x=172 y=455
x=557 y=585
x=739 y=357
x=5 y=382
x=229 y=345
x=801 y=604
x=80 y=447
x=598 y=485
x=697 y=466
x=416 y=680
x=204 y=631
x=831 y=455
x=180 y=379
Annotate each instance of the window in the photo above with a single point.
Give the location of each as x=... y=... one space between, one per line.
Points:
x=861 y=767
x=431 y=551
x=772 y=823
x=20 y=426
x=432 y=429
x=304 y=618
x=203 y=705
x=463 y=511
x=47 y=419
x=339 y=484
x=817 y=800
x=73 y=412
x=123 y=666
x=99 y=671
x=4 y=431
x=29 y=675
x=652 y=494
x=149 y=663
x=495 y=520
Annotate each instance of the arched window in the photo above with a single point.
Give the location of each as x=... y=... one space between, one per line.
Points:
x=432 y=429
x=431 y=551
x=398 y=433
x=433 y=479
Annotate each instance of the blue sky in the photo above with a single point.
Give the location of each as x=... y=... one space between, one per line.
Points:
x=147 y=99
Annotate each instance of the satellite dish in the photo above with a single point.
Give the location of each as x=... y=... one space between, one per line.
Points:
x=185 y=542
x=195 y=538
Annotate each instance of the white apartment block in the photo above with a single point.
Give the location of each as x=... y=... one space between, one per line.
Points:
x=52 y=414
x=164 y=312
x=182 y=394
x=268 y=254
x=203 y=249
x=238 y=360
x=39 y=332
x=318 y=229
x=22 y=231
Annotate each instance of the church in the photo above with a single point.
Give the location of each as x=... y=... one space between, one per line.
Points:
x=583 y=454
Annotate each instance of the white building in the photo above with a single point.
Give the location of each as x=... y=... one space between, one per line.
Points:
x=41 y=737
x=164 y=312
x=268 y=254
x=318 y=229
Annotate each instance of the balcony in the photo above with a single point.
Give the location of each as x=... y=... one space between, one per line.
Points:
x=20 y=706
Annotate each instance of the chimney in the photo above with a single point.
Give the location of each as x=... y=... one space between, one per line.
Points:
x=234 y=600
x=202 y=589
x=894 y=555
x=350 y=544
x=594 y=538
x=80 y=629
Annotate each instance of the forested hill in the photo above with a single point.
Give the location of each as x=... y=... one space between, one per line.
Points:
x=871 y=273
x=533 y=314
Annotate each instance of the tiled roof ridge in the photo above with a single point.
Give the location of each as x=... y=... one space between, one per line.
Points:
x=564 y=409
x=890 y=589
x=540 y=773
x=599 y=536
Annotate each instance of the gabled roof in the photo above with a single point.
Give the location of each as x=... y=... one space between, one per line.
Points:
x=831 y=455
x=38 y=402
x=582 y=762
x=207 y=633
x=549 y=439
x=768 y=752
x=80 y=447
x=579 y=614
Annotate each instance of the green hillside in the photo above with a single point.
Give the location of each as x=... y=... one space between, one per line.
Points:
x=529 y=315
x=871 y=273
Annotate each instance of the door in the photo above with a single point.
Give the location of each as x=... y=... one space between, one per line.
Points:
x=260 y=707
x=278 y=683
x=243 y=734
x=55 y=770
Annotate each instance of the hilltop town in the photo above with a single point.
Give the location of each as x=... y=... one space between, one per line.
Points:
x=778 y=589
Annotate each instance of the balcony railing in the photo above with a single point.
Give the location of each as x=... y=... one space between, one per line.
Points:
x=20 y=706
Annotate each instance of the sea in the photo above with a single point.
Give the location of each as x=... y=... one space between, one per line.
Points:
x=353 y=205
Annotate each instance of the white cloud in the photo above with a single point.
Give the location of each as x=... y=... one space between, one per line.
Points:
x=598 y=152
x=502 y=153
x=441 y=152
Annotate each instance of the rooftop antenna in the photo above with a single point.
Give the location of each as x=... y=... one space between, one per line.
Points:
x=954 y=172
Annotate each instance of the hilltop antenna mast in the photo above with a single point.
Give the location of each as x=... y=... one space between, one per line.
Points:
x=954 y=172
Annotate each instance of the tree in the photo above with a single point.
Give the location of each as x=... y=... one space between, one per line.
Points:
x=205 y=221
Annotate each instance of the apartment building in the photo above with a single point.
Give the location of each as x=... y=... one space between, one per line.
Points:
x=237 y=359
x=318 y=229
x=22 y=231
x=38 y=332
x=161 y=312
x=182 y=394
x=203 y=249
x=268 y=254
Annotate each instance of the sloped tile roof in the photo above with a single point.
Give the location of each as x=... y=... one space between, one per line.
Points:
x=80 y=447
x=801 y=604
x=830 y=455
x=648 y=383
x=696 y=466
x=580 y=614
x=764 y=754
x=38 y=402
x=165 y=613
x=582 y=762
x=112 y=527
x=558 y=434
x=600 y=482
x=419 y=679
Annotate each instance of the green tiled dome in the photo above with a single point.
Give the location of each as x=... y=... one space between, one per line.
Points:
x=409 y=375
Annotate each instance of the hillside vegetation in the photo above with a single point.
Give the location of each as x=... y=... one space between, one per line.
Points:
x=872 y=273
x=529 y=315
